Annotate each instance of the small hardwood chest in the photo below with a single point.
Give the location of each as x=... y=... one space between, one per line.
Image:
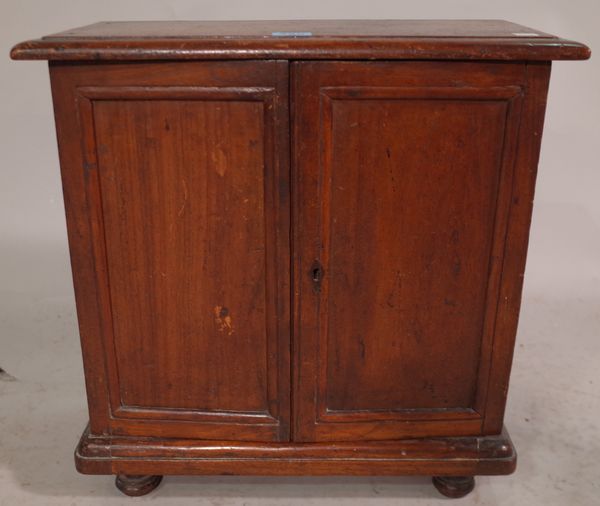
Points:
x=298 y=247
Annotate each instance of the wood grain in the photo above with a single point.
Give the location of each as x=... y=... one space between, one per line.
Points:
x=453 y=456
x=402 y=192
x=517 y=239
x=321 y=28
x=314 y=39
x=186 y=197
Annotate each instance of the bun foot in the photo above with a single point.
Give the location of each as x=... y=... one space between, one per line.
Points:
x=135 y=486
x=454 y=486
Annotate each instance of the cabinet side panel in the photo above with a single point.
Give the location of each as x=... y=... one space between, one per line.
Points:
x=517 y=239
x=79 y=231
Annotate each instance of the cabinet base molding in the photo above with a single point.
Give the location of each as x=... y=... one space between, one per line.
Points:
x=148 y=457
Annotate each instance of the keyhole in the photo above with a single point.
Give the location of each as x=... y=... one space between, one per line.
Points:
x=316 y=274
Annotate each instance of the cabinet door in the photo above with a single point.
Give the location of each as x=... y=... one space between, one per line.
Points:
x=403 y=175
x=177 y=197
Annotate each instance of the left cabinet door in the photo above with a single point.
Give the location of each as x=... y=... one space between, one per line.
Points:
x=176 y=185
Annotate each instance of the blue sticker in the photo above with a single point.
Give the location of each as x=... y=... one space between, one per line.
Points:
x=291 y=34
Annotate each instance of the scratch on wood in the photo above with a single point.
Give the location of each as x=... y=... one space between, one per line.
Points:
x=223 y=320
x=396 y=286
x=361 y=344
x=185 y=198
x=219 y=158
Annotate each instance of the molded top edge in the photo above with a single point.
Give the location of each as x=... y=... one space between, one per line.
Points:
x=310 y=39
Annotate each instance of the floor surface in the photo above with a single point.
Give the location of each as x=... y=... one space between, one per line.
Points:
x=553 y=411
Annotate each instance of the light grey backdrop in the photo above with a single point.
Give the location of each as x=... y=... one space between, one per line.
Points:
x=554 y=404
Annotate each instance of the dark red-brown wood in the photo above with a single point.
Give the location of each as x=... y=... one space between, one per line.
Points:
x=404 y=189
x=285 y=263
x=452 y=456
x=303 y=39
x=176 y=183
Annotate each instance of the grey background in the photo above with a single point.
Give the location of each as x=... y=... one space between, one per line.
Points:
x=554 y=403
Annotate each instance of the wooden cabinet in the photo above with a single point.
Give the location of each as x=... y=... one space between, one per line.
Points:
x=298 y=247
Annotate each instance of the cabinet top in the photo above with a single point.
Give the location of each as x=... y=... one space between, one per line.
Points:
x=314 y=39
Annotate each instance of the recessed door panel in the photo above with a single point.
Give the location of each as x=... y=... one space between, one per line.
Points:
x=184 y=217
x=402 y=179
x=407 y=246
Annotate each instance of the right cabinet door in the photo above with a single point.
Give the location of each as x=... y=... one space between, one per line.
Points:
x=403 y=183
